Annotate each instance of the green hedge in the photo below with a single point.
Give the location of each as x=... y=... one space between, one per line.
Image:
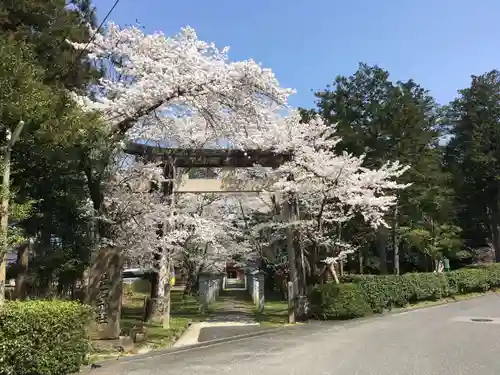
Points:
x=382 y=293
x=339 y=301
x=43 y=337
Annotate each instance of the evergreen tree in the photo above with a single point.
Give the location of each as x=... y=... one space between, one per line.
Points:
x=473 y=155
x=386 y=121
x=46 y=161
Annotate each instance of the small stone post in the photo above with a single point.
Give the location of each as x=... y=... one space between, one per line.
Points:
x=258 y=289
x=210 y=285
x=203 y=289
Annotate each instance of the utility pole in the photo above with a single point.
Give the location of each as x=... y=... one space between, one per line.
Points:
x=4 y=206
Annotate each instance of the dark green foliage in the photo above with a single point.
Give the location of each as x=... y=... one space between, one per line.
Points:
x=394 y=120
x=43 y=337
x=473 y=156
x=386 y=292
x=38 y=68
x=382 y=293
x=46 y=24
x=339 y=301
x=493 y=271
x=472 y=280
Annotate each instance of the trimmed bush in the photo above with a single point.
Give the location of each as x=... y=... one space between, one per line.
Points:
x=469 y=280
x=383 y=292
x=339 y=301
x=43 y=337
x=426 y=286
x=493 y=274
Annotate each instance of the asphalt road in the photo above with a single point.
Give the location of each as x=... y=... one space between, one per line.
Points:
x=435 y=341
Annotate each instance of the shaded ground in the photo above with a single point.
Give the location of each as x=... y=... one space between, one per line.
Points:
x=237 y=306
x=235 y=309
x=440 y=340
x=232 y=306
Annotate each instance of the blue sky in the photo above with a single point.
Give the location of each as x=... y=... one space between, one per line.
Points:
x=439 y=43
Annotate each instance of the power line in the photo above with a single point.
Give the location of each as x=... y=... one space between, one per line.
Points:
x=94 y=35
x=98 y=29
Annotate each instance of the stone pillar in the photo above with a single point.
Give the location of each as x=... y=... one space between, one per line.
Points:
x=104 y=292
x=211 y=289
x=219 y=285
x=203 y=288
x=258 y=289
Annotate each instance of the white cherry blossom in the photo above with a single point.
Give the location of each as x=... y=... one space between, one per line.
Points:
x=186 y=93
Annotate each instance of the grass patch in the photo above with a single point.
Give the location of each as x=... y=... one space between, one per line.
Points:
x=182 y=306
x=183 y=310
x=275 y=311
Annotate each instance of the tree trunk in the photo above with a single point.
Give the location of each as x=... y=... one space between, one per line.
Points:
x=158 y=304
x=289 y=216
x=105 y=284
x=395 y=240
x=84 y=285
x=189 y=287
x=438 y=266
x=361 y=260
x=3 y=276
x=381 y=249
x=22 y=263
x=166 y=304
x=302 y=273
x=495 y=227
x=4 y=206
x=4 y=222
x=169 y=172
x=192 y=279
x=73 y=290
x=333 y=272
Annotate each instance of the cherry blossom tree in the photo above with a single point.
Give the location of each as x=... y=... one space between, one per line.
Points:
x=215 y=236
x=195 y=228
x=131 y=210
x=318 y=191
x=178 y=90
x=186 y=93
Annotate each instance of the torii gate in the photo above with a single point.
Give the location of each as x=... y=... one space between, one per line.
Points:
x=107 y=267
x=192 y=158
